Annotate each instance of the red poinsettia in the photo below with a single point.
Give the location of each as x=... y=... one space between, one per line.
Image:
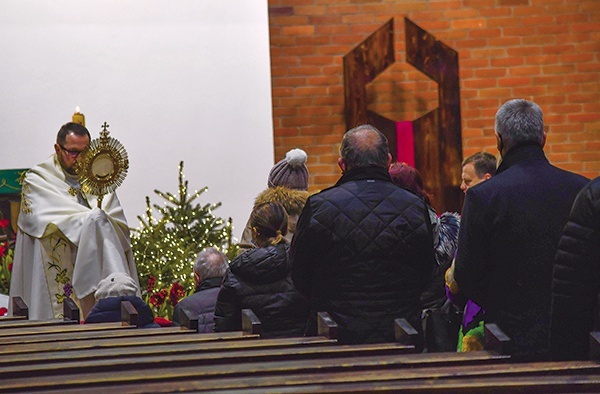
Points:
x=176 y=293
x=4 y=223
x=151 y=284
x=158 y=298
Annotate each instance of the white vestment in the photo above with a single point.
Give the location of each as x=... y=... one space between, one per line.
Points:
x=65 y=243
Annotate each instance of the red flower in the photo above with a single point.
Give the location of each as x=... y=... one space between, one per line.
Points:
x=4 y=223
x=176 y=293
x=158 y=298
x=3 y=248
x=3 y=311
x=151 y=283
x=10 y=267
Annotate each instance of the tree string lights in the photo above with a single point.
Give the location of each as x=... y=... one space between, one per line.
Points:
x=165 y=246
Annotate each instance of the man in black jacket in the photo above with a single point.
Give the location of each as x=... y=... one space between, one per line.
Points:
x=362 y=250
x=510 y=229
x=576 y=280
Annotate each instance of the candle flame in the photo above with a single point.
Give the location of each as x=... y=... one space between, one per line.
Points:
x=77 y=111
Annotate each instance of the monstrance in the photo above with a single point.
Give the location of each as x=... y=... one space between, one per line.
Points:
x=102 y=166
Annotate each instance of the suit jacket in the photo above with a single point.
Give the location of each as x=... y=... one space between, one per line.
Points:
x=509 y=234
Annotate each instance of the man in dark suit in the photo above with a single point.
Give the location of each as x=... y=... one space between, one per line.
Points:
x=510 y=229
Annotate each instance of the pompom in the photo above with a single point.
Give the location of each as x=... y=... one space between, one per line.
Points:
x=296 y=157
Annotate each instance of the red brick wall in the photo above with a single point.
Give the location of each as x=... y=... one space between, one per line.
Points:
x=547 y=51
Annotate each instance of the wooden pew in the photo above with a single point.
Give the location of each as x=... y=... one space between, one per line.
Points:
x=220 y=365
x=31 y=331
x=20 y=311
x=226 y=344
x=296 y=356
x=474 y=378
x=21 y=315
x=315 y=364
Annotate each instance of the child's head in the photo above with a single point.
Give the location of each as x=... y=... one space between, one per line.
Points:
x=118 y=284
x=269 y=222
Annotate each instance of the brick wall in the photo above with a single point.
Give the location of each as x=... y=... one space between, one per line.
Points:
x=547 y=51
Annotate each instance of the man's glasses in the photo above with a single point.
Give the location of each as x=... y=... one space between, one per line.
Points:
x=70 y=153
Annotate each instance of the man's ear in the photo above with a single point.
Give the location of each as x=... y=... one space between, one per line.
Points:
x=487 y=176
x=342 y=164
x=499 y=143
x=196 y=278
x=544 y=139
x=389 y=159
x=57 y=149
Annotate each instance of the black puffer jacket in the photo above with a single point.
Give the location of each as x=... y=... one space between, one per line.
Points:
x=259 y=279
x=363 y=252
x=576 y=278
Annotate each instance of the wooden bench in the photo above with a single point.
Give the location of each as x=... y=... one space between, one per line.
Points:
x=20 y=311
x=219 y=361
x=209 y=362
x=52 y=330
x=20 y=316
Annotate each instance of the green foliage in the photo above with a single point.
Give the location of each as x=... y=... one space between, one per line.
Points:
x=6 y=261
x=7 y=250
x=165 y=246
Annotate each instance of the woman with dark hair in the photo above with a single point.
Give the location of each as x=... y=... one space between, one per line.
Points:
x=259 y=279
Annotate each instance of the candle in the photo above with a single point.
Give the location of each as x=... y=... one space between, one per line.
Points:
x=78 y=117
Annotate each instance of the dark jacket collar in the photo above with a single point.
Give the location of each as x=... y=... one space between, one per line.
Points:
x=362 y=173
x=521 y=153
x=209 y=283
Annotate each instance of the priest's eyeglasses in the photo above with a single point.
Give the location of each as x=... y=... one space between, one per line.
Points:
x=70 y=153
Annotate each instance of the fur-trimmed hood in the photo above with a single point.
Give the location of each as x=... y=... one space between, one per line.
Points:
x=293 y=200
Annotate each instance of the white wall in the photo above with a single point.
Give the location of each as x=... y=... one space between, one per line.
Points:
x=175 y=80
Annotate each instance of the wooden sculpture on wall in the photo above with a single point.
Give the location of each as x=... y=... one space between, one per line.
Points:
x=436 y=136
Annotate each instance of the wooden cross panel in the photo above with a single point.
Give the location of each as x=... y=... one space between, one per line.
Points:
x=437 y=135
x=438 y=152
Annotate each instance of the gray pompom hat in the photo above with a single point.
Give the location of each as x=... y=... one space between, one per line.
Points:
x=291 y=171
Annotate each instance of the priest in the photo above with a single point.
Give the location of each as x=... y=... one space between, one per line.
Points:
x=65 y=243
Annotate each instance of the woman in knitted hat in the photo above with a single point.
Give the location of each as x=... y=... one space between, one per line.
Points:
x=288 y=186
x=259 y=279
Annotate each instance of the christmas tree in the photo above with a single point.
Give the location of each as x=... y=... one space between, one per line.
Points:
x=165 y=246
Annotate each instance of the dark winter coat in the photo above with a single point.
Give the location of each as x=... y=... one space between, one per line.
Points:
x=363 y=252
x=109 y=310
x=201 y=304
x=576 y=280
x=259 y=279
x=509 y=232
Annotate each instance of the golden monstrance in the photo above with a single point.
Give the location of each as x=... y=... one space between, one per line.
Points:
x=102 y=166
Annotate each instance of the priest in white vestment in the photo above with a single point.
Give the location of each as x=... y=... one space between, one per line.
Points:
x=65 y=244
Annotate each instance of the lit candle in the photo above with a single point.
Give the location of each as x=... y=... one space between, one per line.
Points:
x=78 y=117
